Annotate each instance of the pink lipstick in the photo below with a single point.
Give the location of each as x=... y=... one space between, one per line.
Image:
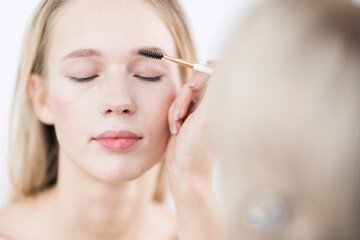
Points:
x=117 y=140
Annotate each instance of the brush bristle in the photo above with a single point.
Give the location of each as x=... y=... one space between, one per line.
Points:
x=150 y=53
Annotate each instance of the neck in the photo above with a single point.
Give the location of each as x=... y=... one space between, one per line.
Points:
x=94 y=209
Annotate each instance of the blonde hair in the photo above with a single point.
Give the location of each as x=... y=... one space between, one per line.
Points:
x=288 y=97
x=33 y=149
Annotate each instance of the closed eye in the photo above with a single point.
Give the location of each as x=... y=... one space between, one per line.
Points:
x=87 y=79
x=152 y=79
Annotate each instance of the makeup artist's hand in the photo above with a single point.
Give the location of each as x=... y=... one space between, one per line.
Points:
x=188 y=153
x=190 y=163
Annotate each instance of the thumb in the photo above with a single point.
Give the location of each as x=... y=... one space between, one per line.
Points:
x=170 y=150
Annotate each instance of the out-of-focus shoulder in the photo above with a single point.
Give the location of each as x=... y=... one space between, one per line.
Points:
x=19 y=219
x=4 y=238
x=5 y=222
x=11 y=217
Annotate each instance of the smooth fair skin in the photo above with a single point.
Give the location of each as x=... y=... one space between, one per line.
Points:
x=103 y=194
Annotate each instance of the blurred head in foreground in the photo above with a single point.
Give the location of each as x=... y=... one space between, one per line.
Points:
x=285 y=108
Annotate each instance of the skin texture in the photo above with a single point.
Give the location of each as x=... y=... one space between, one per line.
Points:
x=103 y=194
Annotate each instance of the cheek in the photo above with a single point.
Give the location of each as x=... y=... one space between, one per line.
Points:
x=157 y=108
x=69 y=111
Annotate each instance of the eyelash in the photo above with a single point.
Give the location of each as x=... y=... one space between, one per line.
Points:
x=83 y=79
x=151 y=79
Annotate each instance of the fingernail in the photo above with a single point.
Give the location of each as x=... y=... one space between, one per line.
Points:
x=174 y=129
x=176 y=114
x=193 y=82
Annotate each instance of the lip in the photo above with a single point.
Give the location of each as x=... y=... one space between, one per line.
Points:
x=117 y=140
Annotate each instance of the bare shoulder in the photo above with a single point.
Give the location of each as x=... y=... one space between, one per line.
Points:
x=4 y=238
x=11 y=219
x=18 y=219
x=4 y=235
x=165 y=223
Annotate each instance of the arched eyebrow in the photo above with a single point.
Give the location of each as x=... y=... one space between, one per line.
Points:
x=82 y=53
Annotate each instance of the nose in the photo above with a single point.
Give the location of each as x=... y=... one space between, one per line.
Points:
x=117 y=97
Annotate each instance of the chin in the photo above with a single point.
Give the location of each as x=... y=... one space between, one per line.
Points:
x=116 y=176
x=118 y=179
x=115 y=172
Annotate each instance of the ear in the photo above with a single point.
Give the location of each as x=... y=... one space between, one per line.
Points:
x=38 y=91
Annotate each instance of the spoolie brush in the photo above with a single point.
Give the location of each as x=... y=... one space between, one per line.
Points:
x=158 y=55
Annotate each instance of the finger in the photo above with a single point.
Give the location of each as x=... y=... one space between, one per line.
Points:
x=196 y=103
x=169 y=151
x=178 y=109
x=200 y=93
x=184 y=102
x=174 y=126
x=198 y=82
x=212 y=63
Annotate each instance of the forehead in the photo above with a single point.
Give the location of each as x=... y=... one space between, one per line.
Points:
x=112 y=26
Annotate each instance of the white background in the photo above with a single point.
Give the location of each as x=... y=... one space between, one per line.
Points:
x=210 y=21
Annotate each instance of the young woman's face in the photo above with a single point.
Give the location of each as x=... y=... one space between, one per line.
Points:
x=98 y=84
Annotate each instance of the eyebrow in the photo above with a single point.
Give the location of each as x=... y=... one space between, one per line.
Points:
x=82 y=53
x=155 y=49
